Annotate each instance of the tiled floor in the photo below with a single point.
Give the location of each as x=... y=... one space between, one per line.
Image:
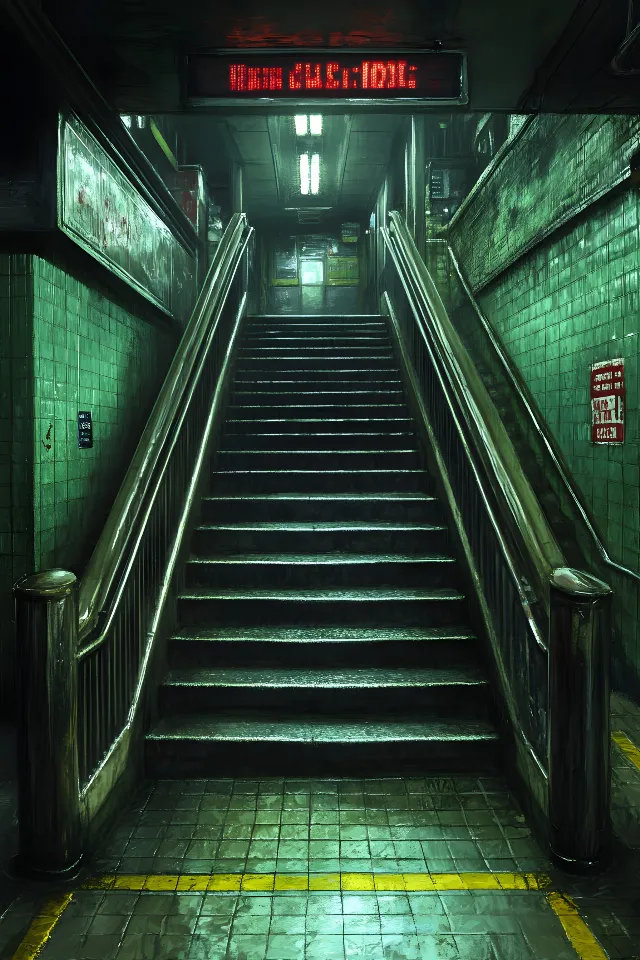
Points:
x=313 y=833
x=313 y=926
x=393 y=826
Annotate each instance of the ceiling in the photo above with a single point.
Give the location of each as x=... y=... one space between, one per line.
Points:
x=134 y=48
x=354 y=154
x=549 y=55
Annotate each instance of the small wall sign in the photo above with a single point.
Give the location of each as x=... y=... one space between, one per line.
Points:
x=349 y=232
x=607 y=401
x=85 y=429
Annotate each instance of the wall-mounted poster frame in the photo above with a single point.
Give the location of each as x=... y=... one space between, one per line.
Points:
x=101 y=211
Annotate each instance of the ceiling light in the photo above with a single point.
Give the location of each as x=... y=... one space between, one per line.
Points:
x=315 y=172
x=304 y=173
x=315 y=124
x=301 y=126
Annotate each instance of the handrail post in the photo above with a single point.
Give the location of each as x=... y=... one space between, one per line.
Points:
x=50 y=842
x=579 y=723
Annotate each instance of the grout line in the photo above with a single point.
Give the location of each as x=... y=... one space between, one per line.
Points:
x=627 y=746
x=576 y=929
x=41 y=928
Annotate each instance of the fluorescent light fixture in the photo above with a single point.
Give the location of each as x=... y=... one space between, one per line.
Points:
x=304 y=173
x=301 y=125
x=126 y=119
x=315 y=172
x=315 y=124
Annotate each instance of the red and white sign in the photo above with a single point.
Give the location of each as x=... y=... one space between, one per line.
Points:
x=607 y=401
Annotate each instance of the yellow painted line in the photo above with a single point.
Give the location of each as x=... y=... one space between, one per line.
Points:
x=577 y=931
x=356 y=882
x=627 y=746
x=580 y=937
x=41 y=928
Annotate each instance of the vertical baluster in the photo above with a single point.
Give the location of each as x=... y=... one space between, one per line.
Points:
x=112 y=708
x=96 y=719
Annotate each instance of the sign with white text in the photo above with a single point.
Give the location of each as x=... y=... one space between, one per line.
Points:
x=607 y=401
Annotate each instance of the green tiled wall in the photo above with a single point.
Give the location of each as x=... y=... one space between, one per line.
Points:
x=84 y=351
x=574 y=299
x=16 y=457
x=554 y=167
x=89 y=354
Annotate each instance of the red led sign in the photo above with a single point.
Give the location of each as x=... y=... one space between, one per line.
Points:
x=423 y=75
x=368 y=75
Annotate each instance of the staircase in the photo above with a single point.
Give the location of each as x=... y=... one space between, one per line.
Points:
x=323 y=630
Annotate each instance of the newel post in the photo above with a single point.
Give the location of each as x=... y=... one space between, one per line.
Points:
x=579 y=724
x=47 y=675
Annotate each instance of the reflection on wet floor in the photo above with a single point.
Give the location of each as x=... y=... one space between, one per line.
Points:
x=282 y=870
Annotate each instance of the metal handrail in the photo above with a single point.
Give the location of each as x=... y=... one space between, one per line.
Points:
x=539 y=425
x=555 y=693
x=122 y=523
x=86 y=705
x=511 y=487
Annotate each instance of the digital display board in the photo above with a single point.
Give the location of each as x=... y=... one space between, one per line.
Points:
x=326 y=75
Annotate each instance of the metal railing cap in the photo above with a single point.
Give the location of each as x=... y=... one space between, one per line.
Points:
x=47 y=584
x=579 y=583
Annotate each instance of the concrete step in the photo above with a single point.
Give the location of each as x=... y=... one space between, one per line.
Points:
x=350 y=511
x=317 y=410
x=344 y=645
x=293 y=459
x=434 y=691
x=335 y=425
x=321 y=570
x=312 y=394
x=309 y=340
x=320 y=537
x=313 y=351
x=201 y=746
x=345 y=370
x=313 y=362
x=311 y=440
x=316 y=320
x=378 y=606
x=324 y=380
x=318 y=481
x=306 y=330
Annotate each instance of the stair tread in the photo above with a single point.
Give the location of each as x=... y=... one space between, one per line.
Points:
x=322 y=526
x=314 y=393
x=316 y=472
x=318 y=729
x=333 y=557
x=321 y=420
x=315 y=433
x=391 y=495
x=353 y=677
x=322 y=634
x=298 y=451
x=351 y=594
x=270 y=380
x=315 y=370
